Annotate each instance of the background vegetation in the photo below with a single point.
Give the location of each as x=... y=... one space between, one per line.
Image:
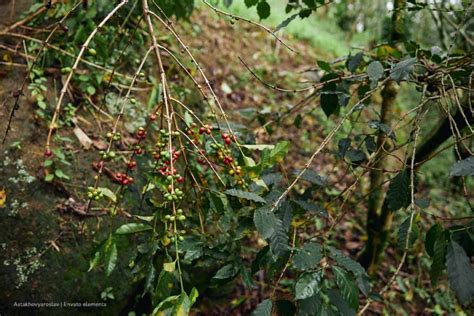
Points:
x=244 y=157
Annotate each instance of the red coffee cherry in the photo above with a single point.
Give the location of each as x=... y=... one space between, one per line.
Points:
x=131 y=164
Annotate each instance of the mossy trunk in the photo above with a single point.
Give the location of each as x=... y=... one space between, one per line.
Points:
x=379 y=218
x=441 y=133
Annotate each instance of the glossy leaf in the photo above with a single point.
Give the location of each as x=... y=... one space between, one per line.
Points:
x=402 y=69
x=308 y=256
x=264 y=221
x=399 y=194
x=307 y=285
x=110 y=258
x=346 y=262
x=347 y=287
x=286 y=22
x=439 y=258
x=375 y=71
x=403 y=234
x=264 y=308
x=263 y=9
x=132 y=228
x=245 y=195
x=463 y=168
x=226 y=272
x=460 y=272
x=279 y=239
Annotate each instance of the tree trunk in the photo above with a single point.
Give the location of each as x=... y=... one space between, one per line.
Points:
x=440 y=134
x=379 y=218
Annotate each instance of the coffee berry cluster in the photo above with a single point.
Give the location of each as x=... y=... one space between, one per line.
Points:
x=94 y=194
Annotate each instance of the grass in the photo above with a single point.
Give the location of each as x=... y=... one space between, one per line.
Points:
x=321 y=32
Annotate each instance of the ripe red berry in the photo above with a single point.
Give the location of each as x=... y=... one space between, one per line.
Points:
x=180 y=180
x=153 y=117
x=141 y=134
x=48 y=153
x=202 y=130
x=138 y=150
x=131 y=164
x=225 y=135
x=228 y=140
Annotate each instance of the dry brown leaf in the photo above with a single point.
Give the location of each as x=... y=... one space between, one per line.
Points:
x=85 y=141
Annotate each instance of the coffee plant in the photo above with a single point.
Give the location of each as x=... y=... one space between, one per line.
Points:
x=208 y=207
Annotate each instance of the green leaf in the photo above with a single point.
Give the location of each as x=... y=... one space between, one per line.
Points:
x=310 y=306
x=48 y=163
x=353 y=62
x=324 y=65
x=226 y=272
x=132 y=228
x=250 y=3
x=279 y=240
x=311 y=207
x=338 y=301
x=310 y=3
x=264 y=308
x=305 y=13
x=245 y=195
x=329 y=103
x=347 y=286
x=264 y=221
x=246 y=277
x=108 y=193
x=95 y=261
x=399 y=194
x=356 y=156
x=193 y=295
x=463 y=168
x=346 y=262
x=403 y=234
x=308 y=256
x=311 y=176
x=278 y=153
x=375 y=71
x=439 y=258
x=49 y=177
x=60 y=174
x=110 y=258
x=370 y=144
x=286 y=21
x=91 y=90
x=263 y=9
x=363 y=282
x=166 y=304
x=183 y=305
x=460 y=272
x=402 y=69
x=382 y=128
x=343 y=145
x=431 y=236
x=285 y=307
x=307 y=285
